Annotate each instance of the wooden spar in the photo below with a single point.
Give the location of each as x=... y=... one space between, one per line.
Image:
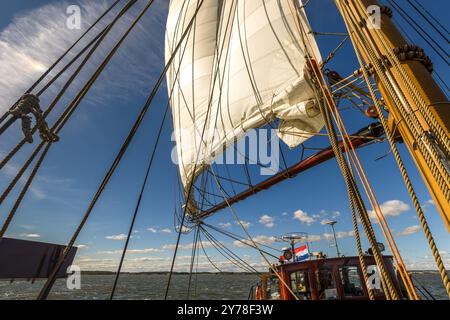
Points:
x=359 y=139
x=427 y=89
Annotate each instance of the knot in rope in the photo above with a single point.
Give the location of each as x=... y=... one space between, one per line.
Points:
x=29 y=104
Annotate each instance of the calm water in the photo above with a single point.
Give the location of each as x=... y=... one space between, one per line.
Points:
x=152 y=287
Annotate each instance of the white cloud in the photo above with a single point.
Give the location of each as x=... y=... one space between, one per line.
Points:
x=118 y=237
x=303 y=217
x=152 y=230
x=336 y=214
x=30 y=235
x=392 y=208
x=36 y=38
x=314 y=238
x=245 y=224
x=166 y=231
x=82 y=246
x=133 y=251
x=225 y=225
x=339 y=235
x=409 y=231
x=189 y=246
x=267 y=221
x=162 y=264
x=266 y=240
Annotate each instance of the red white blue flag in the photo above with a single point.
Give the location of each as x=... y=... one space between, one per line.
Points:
x=302 y=253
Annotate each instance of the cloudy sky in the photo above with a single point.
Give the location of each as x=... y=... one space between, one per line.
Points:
x=34 y=33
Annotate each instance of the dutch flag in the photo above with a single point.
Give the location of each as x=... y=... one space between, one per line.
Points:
x=301 y=253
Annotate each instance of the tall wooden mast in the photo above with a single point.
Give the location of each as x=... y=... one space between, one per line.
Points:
x=419 y=111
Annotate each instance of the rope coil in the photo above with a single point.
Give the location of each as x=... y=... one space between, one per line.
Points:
x=29 y=105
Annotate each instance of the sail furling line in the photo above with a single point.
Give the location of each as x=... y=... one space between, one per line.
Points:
x=244 y=68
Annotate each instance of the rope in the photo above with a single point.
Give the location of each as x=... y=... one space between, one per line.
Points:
x=411 y=191
x=207 y=257
x=426 y=146
x=351 y=184
x=228 y=254
x=50 y=281
x=102 y=35
x=361 y=258
x=386 y=231
x=365 y=46
x=422 y=32
x=408 y=183
x=275 y=271
x=193 y=255
x=138 y=203
x=50 y=69
x=58 y=126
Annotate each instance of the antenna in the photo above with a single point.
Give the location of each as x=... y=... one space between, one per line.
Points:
x=294 y=238
x=332 y=223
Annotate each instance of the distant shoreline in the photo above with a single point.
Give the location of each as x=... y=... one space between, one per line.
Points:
x=109 y=273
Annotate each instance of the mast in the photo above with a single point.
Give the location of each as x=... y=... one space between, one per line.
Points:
x=412 y=89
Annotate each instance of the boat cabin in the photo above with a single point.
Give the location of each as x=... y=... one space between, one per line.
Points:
x=324 y=279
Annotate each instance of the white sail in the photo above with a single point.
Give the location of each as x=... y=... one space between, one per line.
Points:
x=241 y=67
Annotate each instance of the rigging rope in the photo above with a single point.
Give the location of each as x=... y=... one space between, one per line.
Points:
x=102 y=35
x=407 y=180
x=422 y=32
x=428 y=20
x=50 y=69
x=58 y=126
x=50 y=281
x=385 y=228
x=366 y=46
x=349 y=178
x=409 y=185
x=138 y=203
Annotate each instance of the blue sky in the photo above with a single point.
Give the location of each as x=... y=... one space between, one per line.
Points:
x=75 y=166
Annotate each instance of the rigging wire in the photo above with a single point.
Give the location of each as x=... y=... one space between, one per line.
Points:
x=428 y=20
x=440 y=80
x=58 y=126
x=410 y=188
x=138 y=203
x=193 y=256
x=273 y=268
x=103 y=35
x=245 y=265
x=207 y=256
x=416 y=203
x=434 y=45
x=432 y=16
x=349 y=178
x=47 y=287
x=53 y=66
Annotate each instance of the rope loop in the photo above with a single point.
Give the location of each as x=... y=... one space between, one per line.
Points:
x=29 y=104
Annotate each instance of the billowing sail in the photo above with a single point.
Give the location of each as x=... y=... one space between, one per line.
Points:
x=241 y=67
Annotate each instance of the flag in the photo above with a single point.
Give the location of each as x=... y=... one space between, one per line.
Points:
x=301 y=253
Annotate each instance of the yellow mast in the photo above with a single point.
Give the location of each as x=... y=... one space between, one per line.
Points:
x=419 y=111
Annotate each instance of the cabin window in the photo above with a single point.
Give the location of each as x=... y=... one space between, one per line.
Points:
x=300 y=285
x=326 y=284
x=351 y=282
